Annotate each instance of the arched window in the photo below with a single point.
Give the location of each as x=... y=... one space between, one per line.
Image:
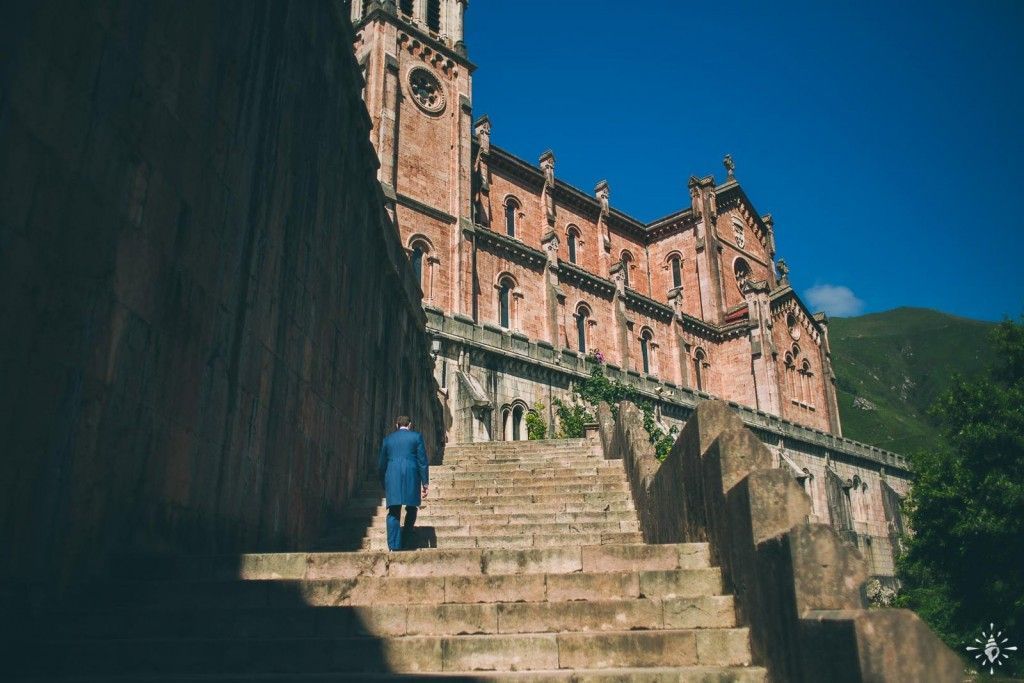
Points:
x=417 y=263
x=790 y=371
x=677 y=271
x=406 y=7
x=627 y=261
x=742 y=271
x=572 y=240
x=434 y=15
x=511 y=216
x=805 y=376
x=505 y=287
x=582 y=320
x=517 y=422
x=646 y=337
x=699 y=361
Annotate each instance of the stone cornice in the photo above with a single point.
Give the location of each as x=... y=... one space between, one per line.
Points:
x=426 y=209
x=542 y=358
x=644 y=304
x=564 y=192
x=447 y=50
x=508 y=246
x=574 y=275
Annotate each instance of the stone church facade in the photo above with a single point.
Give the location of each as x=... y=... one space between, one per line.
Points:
x=528 y=282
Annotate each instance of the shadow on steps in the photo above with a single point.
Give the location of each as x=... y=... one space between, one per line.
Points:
x=176 y=618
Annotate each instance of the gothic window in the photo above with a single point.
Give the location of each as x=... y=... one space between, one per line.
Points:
x=699 y=363
x=572 y=241
x=805 y=374
x=790 y=371
x=627 y=261
x=742 y=271
x=511 y=216
x=740 y=231
x=505 y=288
x=406 y=7
x=677 y=271
x=646 y=337
x=434 y=15
x=582 y=320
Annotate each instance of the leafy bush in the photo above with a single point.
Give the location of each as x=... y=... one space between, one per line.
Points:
x=599 y=388
x=571 y=418
x=961 y=569
x=536 y=427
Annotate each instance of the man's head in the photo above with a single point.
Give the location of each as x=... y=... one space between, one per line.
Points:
x=403 y=421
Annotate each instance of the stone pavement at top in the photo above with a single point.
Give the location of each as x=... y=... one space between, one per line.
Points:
x=530 y=567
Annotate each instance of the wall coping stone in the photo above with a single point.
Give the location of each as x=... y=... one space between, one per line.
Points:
x=460 y=330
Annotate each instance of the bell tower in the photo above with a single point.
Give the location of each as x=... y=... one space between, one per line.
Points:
x=418 y=94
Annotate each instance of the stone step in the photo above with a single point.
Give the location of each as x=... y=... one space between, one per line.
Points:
x=388 y=590
x=428 y=562
x=448 y=491
x=376 y=519
x=391 y=620
x=380 y=529
x=424 y=539
x=371 y=507
x=532 y=487
x=412 y=654
x=526 y=478
x=527 y=470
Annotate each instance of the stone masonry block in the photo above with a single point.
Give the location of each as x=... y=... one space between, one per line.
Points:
x=827 y=573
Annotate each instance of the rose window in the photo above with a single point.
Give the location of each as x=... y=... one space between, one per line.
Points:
x=426 y=91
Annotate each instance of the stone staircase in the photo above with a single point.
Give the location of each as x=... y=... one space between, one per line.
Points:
x=530 y=567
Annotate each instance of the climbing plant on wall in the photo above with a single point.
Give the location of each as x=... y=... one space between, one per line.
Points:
x=536 y=428
x=599 y=388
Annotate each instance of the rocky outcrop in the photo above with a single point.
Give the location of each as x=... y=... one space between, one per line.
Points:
x=208 y=319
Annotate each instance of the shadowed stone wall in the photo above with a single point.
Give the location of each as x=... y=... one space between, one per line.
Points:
x=208 y=322
x=798 y=585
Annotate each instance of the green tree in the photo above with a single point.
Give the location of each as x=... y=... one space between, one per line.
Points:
x=536 y=427
x=963 y=565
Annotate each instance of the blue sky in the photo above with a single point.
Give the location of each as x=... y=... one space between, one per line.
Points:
x=887 y=139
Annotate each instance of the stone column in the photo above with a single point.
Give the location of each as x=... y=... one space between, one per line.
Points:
x=459 y=30
x=419 y=12
x=834 y=423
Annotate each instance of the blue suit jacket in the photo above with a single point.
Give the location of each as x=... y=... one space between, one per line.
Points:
x=403 y=467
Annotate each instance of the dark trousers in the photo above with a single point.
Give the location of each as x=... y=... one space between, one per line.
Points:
x=395 y=526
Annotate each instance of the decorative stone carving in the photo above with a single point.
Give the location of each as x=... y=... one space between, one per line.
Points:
x=783 y=270
x=603 y=193
x=482 y=173
x=730 y=166
x=426 y=89
x=547 y=164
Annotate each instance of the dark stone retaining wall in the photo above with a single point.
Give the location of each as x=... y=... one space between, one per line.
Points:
x=207 y=321
x=798 y=586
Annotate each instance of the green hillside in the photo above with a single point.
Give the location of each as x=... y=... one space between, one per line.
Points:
x=891 y=366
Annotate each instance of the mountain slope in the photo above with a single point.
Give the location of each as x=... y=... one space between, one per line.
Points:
x=891 y=366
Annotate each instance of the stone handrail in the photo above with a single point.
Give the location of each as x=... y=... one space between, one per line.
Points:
x=797 y=585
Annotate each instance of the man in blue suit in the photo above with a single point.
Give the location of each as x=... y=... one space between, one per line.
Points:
x=404 y=474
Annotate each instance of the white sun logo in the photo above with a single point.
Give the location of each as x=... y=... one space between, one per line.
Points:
x=993 y=648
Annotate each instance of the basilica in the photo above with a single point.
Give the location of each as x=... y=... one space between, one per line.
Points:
x=529 y=282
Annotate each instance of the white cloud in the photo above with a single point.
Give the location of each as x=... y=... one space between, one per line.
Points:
x=835 y=300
